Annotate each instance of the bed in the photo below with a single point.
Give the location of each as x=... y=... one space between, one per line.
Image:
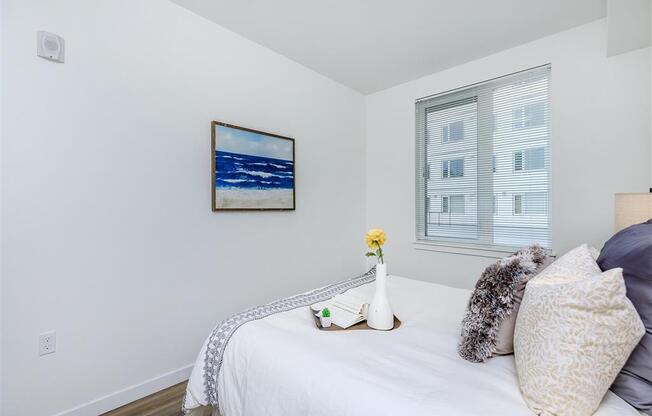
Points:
x=283 y=365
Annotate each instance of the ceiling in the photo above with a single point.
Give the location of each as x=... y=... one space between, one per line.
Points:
x=370 y=45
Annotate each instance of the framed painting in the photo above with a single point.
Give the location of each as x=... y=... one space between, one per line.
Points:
x=251 y=170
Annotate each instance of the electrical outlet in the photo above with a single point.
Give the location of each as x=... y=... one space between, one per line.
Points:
x=47 y=343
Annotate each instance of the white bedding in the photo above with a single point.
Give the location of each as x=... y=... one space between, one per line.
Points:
x=283 y=366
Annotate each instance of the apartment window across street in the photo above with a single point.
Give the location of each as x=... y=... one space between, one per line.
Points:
x=452 y=168
x=518 y=204
x=493 y=138
x=452 y=204
x=529 y=115
x=453 y=131
x=529 y=159
x=531 y=203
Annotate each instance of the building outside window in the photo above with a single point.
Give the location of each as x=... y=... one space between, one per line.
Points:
x=491 y=142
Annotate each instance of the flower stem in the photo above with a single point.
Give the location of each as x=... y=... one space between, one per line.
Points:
x=380 y=253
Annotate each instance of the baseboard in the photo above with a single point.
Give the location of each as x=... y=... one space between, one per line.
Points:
x=130 y=394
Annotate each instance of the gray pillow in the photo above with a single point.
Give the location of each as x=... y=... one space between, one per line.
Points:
x=631 y=249
x=494 y=299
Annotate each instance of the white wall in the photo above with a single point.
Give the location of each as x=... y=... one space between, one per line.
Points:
x=600 y=145
x=1 y=98
x=628 y=25
x=108 y=233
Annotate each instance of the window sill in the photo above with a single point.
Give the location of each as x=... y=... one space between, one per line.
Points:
x=465 y=249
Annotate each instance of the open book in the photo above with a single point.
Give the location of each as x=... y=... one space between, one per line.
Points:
x=346 y=309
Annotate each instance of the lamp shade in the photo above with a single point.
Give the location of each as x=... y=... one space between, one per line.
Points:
x=632 y=209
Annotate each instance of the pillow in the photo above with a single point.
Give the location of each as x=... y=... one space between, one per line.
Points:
x=574 y=332
x=505 y=335
x=631 y=249
x=493 y=301
x=578 y=263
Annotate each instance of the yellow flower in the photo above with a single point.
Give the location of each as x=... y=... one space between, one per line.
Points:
x=375 y=237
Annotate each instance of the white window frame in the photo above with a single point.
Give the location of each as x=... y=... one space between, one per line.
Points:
x=480 y=248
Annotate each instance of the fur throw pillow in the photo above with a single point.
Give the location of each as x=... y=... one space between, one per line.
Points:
x=494 y=299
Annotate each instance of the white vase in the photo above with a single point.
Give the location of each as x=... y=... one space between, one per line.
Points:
x=380 y=315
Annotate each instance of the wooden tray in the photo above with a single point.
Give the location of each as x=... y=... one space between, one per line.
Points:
x=358 y=326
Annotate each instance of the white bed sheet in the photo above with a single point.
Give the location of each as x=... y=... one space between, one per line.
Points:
x=283 y=366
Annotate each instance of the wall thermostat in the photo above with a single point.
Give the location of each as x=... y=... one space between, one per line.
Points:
x=50 y=46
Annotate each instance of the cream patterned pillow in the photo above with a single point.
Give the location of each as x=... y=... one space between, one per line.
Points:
x=578 y=263
x=574 y=332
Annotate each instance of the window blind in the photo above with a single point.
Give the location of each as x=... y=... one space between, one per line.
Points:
x=483 y=163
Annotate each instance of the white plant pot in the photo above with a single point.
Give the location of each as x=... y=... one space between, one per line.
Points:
x=380 y=315
x=325 y=321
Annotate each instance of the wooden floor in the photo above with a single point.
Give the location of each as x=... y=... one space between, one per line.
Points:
x=164 y=403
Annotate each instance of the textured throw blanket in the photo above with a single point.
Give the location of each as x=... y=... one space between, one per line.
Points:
x=219 y=337
x=493 y=300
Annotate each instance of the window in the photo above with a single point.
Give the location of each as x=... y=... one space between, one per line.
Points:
x=452 y=204
x=492 y=124
x=529 y=115
x=518 y=161
x=529 y=159
x=518 y=204
x=531 y=203
x=452 y=168
x=452 y=132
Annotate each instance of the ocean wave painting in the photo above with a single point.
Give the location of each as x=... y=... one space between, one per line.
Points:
x=252 y=170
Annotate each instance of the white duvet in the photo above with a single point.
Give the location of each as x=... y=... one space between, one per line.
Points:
x=283 y=365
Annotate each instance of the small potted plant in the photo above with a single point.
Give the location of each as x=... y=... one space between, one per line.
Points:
x=325 y=318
